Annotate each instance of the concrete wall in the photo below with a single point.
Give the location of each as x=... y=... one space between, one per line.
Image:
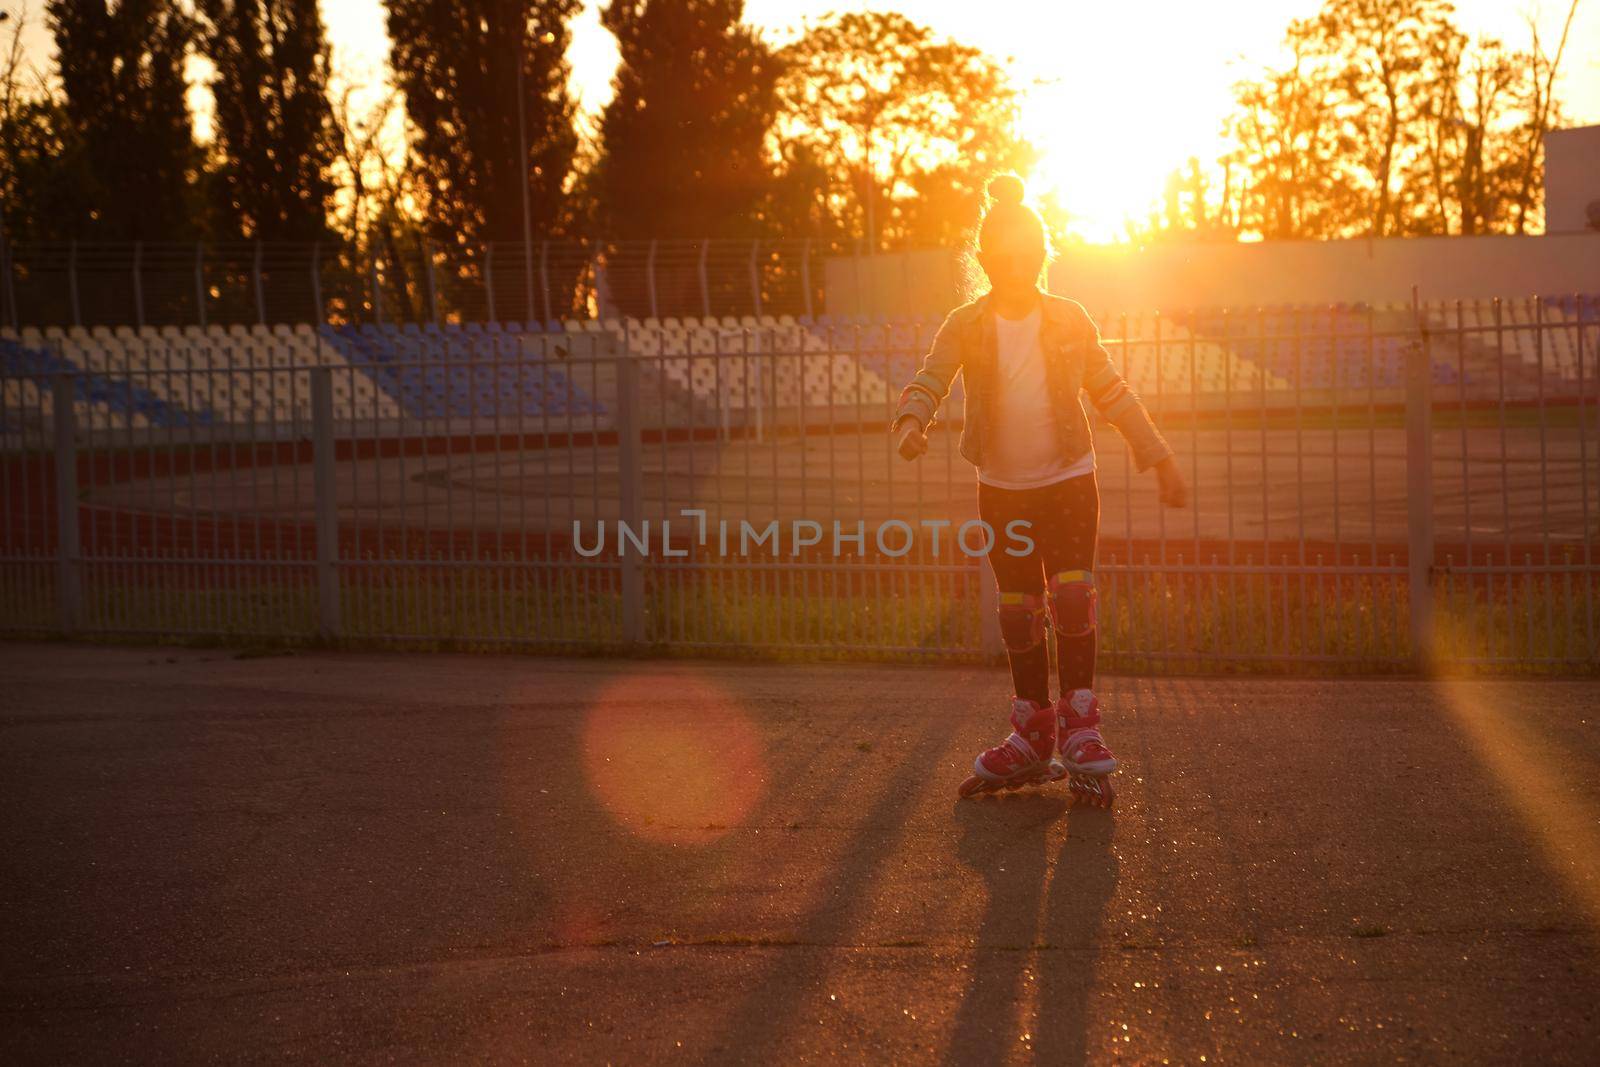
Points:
x=1116 y=277
x=901 y=284
x=1572 y=179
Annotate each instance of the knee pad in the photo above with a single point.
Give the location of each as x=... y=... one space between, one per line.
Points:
x=1072 y=603
x=1021 y=621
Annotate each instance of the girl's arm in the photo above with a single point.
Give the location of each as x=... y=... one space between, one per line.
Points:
x=1116 y=401
x=921 y=397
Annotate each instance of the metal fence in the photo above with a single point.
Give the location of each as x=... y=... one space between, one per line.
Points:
x=154 y=284
x=1374 y=488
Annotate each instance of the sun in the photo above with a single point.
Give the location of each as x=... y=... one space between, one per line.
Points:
x=1104 y=167
x=1115 y=109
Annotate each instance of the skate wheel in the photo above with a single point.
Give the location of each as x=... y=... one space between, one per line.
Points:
x=1096 y=792
x=974 y=785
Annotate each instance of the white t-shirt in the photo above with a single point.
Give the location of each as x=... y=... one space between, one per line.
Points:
x=1023 y=450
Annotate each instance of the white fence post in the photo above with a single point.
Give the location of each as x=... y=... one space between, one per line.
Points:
x=755 y=277
x=544 y=277
x=327 y=510
x=72 y=283
x=989 y=606
x=260 y=285
x=1419 y=487
x=200 y=282
x=138 y=284
x=488 y=279
x=68 y=591
x=433 y=282
x=316 y=282
x=705 y=284
x=630 y=452
x=650 y=276
x=805 y=275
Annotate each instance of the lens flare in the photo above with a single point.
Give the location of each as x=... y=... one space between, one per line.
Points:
x=1548 y=801
x=672 y=757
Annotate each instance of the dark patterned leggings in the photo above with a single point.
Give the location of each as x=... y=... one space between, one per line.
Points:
x=1064 y=526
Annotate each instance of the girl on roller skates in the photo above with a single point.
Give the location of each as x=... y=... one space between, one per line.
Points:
x=1027 y=354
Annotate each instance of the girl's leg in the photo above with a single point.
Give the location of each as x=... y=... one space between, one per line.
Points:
x=1067 y=542
x=1022 y=592
x=1068 y=549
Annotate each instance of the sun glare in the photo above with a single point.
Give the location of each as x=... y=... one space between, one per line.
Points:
x=1113 y=120
x=1096 y=174
x=685 y=778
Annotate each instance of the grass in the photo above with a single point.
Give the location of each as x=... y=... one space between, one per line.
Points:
x=1150 y=621
x=1155 y=622
x=1520 y=413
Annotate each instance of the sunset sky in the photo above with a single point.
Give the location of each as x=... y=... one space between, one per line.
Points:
x=1147 y=82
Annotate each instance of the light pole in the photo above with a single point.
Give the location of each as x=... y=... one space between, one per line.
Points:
x=5 y=240
x=522 y=177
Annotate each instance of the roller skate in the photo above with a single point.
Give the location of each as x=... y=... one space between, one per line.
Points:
x=1027 y=757
x=1086 y=761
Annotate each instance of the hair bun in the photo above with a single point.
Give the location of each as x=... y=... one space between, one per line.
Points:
x=1005 y=189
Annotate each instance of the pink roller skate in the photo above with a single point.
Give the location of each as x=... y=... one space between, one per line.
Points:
x=1084 y=755
x=1027 y=757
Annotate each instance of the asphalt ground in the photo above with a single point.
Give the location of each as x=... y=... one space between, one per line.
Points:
x=448 y=858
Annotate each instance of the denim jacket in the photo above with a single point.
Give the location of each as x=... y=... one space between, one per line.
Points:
x=1074 y=360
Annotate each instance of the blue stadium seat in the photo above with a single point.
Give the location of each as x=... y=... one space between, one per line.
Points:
x=116 y=396
x=452 y=372
x=1321 y=345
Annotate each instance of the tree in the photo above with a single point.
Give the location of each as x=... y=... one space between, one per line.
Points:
x=44 y=185
x=275 y=140
x=1383 y=64
x=369 y=167
x=907 y=127
x=41 y=178
x=125 y=116
x=1199 y=204
x=1543 y=111
x=13 y=100
x=1387 y=120
x=457 y=62
x=372 y=217
x=1291 y=148
x=1470 y=145
x=682 y=142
